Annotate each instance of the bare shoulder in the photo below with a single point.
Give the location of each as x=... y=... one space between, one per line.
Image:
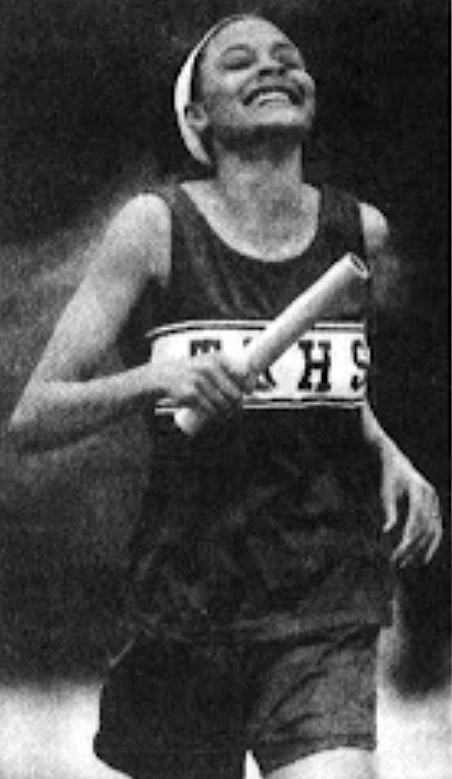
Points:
x=145 y=210
x=137 y=239
x=389 y=275
x=375 y=228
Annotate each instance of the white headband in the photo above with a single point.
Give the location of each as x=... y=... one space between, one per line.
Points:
x=183 y=91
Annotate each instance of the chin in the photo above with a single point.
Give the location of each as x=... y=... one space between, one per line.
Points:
x=278 y=128
x=274 y=132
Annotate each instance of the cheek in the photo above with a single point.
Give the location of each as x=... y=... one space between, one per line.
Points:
x=221 y=102
x=308 y=84
x=219 y=89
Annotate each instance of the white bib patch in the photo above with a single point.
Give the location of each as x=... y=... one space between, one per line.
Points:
x=328 y=365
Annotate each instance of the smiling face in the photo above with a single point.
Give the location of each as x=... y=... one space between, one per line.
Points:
x=252 y=83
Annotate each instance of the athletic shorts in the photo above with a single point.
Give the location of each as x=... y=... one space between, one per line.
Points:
x=169 y=711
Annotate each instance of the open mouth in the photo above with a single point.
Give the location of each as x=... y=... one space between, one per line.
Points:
x=277 y=93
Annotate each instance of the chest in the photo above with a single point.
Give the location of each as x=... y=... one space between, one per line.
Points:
x=272 y=231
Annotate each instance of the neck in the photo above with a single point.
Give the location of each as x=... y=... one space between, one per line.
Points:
x=262 y=187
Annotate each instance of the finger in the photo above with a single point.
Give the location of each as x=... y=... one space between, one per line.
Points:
x=433 y=546
x=411 y=543
x=239 y=379
x=203 y=403
x=215 y=397
x=223 y=393
x=228 y=388
x=219 y=398
x=431 y=517
x=246 y=380
x=390 y=512
x=417 y=548
x=414 y=555
x=192 y=395
x=206 y=397
x=218 y=380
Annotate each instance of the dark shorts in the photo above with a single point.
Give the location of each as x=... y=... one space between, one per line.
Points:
x=170 y=711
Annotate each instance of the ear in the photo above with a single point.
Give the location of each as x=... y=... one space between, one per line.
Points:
x=196 y=118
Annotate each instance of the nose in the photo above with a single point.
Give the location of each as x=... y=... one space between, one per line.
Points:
x=268 y=64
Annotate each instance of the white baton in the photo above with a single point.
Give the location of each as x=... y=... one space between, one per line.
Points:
x=312 y=305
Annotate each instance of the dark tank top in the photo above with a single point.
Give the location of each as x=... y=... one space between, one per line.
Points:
x=270 y=522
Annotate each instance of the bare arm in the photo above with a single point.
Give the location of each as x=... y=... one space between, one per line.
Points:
x=63 y=401
x=403 y=485
x=400 y=481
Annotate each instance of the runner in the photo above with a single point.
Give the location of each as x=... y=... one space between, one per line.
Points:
x=261 y=572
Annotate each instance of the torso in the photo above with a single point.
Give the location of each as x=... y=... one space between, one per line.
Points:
x=272 y=514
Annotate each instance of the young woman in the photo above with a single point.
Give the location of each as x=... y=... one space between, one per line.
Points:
x=260 y=568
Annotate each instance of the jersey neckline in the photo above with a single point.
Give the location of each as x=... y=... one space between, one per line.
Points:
x=247 y=257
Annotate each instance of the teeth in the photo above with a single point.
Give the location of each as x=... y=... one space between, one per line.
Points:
x=264 y=97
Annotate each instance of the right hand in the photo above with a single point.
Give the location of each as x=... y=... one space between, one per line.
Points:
x=210 y=383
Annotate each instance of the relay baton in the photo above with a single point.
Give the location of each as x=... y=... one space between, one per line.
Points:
x=313 y=304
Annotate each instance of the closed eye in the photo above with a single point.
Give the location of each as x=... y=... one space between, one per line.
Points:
x=243 y=56
x=237 y=57
x=288 y=56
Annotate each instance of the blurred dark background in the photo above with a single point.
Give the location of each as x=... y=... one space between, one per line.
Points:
x=85 y=121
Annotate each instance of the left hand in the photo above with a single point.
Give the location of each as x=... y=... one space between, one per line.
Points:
x=422 y=531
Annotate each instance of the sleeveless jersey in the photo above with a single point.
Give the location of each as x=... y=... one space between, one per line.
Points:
x=270 y=522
